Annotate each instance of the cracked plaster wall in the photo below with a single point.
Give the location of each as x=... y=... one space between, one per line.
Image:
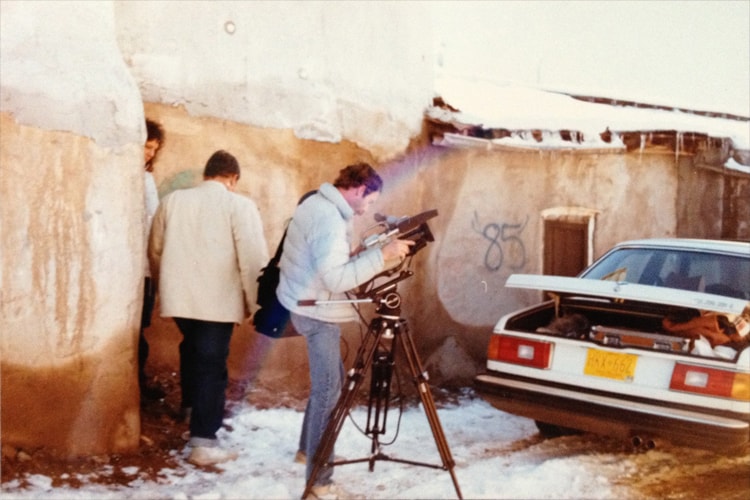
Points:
x=356 y=71
x=295 y=93
x=333 y=83
x=72 y=239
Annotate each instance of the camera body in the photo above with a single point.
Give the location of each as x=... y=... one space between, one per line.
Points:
x=388 y=228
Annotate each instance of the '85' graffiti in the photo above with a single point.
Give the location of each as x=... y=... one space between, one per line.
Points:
x=503 y=239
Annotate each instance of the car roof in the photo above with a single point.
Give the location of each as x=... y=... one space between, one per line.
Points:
x=724 y=246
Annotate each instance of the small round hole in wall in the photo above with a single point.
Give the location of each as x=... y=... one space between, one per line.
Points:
x=230 y=27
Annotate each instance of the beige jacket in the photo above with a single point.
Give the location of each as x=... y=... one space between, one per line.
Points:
x=205 y=250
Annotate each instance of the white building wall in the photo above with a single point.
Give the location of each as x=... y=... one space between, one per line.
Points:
x=361 y=71
x=75 y=77
x=71 y=238
x=62 y=70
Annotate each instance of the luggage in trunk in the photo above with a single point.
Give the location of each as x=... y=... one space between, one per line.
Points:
x=621 y=337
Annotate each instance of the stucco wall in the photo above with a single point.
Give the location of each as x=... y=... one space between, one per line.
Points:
x=359 y=71
x=699 y=200
x=306 y=76
x=495 y=227
x=72 y=231
x=490 y=225
x=296 y=91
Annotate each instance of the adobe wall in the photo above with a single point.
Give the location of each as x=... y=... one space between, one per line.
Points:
x=72 y=234
x=489 y=226
x=277 y=168
x=72 y=198
x=308 y=79
x=355 y=71
x=69 y=271
x=736 y=207
x=712 y=202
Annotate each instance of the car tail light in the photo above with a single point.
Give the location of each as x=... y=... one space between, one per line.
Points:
x=711 y=381
x=520 y=351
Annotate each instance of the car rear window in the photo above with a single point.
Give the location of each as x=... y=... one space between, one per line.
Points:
x=719 y=274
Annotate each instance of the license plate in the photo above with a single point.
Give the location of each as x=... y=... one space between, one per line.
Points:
x=614 y=365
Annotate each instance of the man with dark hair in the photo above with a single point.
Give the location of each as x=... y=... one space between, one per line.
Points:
x=317 y=264
x=154 y=141
x=206 y=250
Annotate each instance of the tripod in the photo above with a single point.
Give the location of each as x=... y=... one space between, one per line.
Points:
x=376 y=352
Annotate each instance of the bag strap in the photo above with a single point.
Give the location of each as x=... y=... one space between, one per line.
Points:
x=277 y=256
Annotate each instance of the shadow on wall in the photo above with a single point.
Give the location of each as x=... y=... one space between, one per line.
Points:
x=180 y=180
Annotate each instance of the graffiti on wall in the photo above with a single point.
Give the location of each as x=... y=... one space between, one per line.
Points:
x=504 y=244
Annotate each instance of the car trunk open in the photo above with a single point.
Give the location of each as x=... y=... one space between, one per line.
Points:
x=618 y=314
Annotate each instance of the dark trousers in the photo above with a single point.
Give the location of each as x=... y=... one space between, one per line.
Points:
x=203 y=373
x=148 y=307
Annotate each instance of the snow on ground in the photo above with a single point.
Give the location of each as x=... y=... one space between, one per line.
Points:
x=494 y=454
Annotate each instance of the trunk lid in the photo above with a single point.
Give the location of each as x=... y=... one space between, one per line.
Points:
x=618 y=290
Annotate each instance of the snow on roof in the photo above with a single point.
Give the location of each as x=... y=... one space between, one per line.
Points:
x=495 y=106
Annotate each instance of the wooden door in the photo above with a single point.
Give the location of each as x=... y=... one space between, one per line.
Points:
x=565 y=247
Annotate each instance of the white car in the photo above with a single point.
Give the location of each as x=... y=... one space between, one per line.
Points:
x=649 y=343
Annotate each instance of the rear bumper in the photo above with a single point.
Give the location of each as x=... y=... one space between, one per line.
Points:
x=606 y=415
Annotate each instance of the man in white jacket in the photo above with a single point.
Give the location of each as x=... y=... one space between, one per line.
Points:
x=206 y=250
x=317 y=264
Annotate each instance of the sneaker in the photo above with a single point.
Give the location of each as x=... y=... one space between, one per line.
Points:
x=203 y=455
x=330 y=491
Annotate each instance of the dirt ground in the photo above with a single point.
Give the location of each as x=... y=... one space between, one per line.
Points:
x=675 y=474
x=162 y=427
x=161 y=430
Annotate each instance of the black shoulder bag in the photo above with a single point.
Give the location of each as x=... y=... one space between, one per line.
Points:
x=272 y=317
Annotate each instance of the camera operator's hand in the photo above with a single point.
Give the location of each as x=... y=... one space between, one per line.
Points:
x=396 y=250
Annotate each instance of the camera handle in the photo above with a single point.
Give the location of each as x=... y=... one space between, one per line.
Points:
x=376 y=353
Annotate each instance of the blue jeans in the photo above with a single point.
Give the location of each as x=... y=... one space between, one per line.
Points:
x=326 y=380
x=203 y=374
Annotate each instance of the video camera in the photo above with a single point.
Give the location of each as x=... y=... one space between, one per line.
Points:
x=389 y=228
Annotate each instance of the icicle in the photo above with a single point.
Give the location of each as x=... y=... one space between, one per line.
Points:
x=678 y=146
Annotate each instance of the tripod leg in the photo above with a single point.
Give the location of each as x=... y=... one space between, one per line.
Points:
x=353 y=380
x=380 y=390
x=377 y=407
x=420 y=379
